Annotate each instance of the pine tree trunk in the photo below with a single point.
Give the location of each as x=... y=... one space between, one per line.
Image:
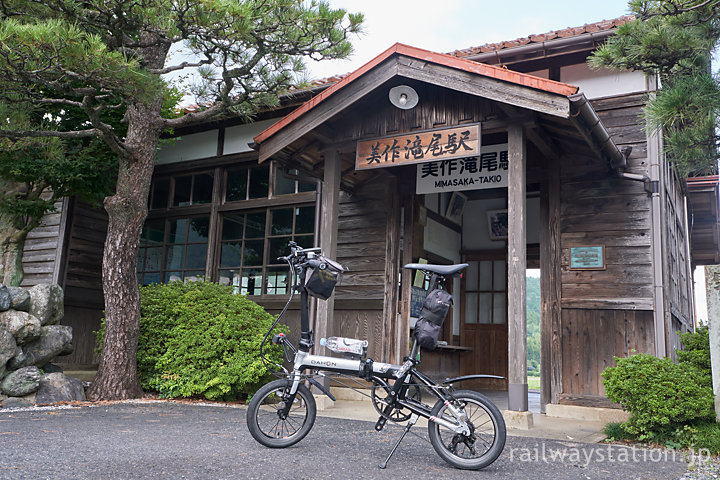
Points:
x=117 y=372
x=12 y=243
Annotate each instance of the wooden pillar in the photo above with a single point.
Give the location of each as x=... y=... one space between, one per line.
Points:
x=550 y=285
x=408 y=203
x=517 y=260
x=328 y=238
x=392 y=333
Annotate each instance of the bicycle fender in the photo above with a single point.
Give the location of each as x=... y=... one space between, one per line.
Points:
x=322 y=388
x=469 y=377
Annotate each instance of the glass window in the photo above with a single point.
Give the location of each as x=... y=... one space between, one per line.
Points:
x=236 y=188
x=202 y=188
x=305 y=219
x=485 y=292
x=250 y=244
x=173 y=249
x=282 y=221
x=183 y=189
x=283 y=185
x=259 y=182
x=187 y=190
x=160 y=193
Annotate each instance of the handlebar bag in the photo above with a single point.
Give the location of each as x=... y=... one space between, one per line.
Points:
x=432 y=316
x=321 y=280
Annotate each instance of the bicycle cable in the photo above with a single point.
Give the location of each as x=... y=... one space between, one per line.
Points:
x=266 y=362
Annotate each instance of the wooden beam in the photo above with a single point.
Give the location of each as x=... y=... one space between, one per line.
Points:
x=486 y=87
x=517 y=246
x=543 y=141
x=392 y=334
x=329 y=204
x=550 y=285
x=409 y=215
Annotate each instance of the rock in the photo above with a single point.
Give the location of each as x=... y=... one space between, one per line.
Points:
x=54 y=340
x=5 y=300
x=18 y=360
x=22 y=325
x=8 y=348
x=51 y=368
x=21 y=382
x=57 y=387
x=16 y=402
x=19 y=298
x=46 y=303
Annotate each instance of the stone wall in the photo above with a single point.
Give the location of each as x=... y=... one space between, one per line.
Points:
x=30 y=339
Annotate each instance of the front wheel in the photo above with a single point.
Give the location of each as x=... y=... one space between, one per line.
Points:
x=486 y=440
x=266 y=418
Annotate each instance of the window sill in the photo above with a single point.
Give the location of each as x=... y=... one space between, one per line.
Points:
x=453 y=348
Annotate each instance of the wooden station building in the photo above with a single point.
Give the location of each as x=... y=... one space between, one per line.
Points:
x=506 y=157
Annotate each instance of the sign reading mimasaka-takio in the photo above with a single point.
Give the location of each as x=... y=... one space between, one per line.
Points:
x=487 y=170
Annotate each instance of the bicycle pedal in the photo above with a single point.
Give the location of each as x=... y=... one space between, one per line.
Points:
x=380 y=424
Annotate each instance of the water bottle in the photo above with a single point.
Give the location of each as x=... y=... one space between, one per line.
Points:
x=351 y=346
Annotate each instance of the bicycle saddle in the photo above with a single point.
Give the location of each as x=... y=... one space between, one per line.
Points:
x=439 y=269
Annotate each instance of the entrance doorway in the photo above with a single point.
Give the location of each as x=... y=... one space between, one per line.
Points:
x=483 y=326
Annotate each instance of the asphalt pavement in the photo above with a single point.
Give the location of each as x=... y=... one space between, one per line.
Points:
x=132 y=440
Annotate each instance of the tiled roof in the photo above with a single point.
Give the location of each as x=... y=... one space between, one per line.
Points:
x=601 y=26
x=596 y=27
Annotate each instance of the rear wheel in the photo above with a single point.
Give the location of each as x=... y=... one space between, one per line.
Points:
x=270 y=425
x=487 y=432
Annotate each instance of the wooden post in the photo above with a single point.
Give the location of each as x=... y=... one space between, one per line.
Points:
x=550 y=260
x=392 y=334
x=328 y=238
x=407 y=276
x=517 y=246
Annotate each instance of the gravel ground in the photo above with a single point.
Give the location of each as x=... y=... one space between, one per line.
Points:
x=178 y=440
x=705 y=471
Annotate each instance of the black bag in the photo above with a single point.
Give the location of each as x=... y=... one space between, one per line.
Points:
x=432 y=316
x=320 y=281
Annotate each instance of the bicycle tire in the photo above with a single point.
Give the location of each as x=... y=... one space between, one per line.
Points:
x=265 y=423
x=488 y=432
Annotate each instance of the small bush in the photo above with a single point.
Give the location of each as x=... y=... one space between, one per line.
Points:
x=660 y=394
x=200 y=339
x=696 y=350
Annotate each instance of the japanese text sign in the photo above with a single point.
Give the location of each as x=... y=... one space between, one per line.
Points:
x=589 y=257
x=420 y=147
x=487 y=170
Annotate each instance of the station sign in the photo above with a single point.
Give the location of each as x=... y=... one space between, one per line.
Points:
x=418 y=147
x=489 y=169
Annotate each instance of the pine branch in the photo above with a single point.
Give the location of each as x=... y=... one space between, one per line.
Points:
x=72 y=135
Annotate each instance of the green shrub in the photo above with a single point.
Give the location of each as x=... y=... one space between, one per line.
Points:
x=660 y=394
x=696 y=350
x=200 y=339
x=616 y=432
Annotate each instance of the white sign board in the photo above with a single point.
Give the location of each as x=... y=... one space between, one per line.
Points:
x=489 y=170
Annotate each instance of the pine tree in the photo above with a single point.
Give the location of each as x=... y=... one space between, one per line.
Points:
x=99 y=56
x=674 y=39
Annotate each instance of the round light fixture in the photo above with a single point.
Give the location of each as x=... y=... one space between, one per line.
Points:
x=403 y=97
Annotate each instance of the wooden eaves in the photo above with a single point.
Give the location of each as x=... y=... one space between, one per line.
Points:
x=548 y=98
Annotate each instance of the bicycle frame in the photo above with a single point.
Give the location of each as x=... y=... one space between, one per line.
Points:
x=395 y=390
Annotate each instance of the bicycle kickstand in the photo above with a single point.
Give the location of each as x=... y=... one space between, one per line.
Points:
x=413 y=420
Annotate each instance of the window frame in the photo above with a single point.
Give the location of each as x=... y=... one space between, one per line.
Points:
x=219 y=208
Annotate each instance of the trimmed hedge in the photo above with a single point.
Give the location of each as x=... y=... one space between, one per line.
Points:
x=666 y=400
x=200 y=339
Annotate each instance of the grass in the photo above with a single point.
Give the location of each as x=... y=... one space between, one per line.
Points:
x=533 y=383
